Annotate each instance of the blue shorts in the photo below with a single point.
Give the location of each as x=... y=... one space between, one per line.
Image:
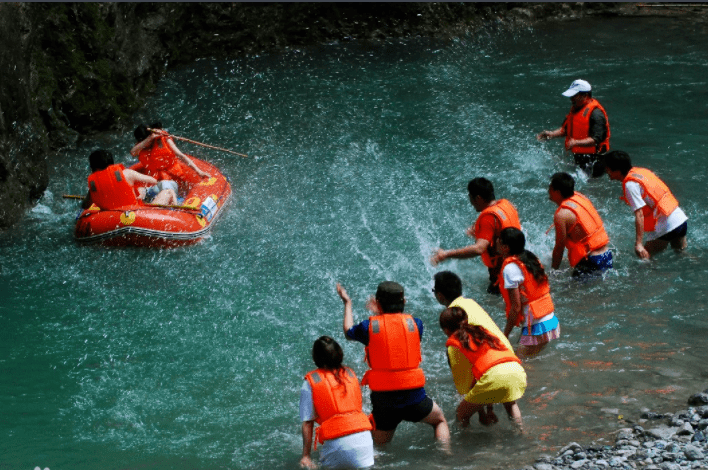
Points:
x=676 y=233
x=593 y=265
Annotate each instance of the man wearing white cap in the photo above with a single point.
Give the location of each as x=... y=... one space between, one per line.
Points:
x=586 y=129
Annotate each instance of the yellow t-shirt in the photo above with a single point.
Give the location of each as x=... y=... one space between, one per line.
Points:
x=477 y=316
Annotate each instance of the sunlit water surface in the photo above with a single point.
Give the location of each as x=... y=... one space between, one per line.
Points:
x=359 y=156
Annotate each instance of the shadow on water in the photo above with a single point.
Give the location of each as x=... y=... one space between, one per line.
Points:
x=358 y=161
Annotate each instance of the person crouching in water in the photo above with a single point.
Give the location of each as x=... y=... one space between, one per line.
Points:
x=485 y=371
x=525 y=289
x=331 y=396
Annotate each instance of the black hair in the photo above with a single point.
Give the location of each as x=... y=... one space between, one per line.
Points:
x=390 y=297
x=564 y=183
x=455 y=319
x=481 y=187
x=516 y=241
x=448 y=284
x=141 y=132
x=100 y=160
x=617 y=160
x=328 y=355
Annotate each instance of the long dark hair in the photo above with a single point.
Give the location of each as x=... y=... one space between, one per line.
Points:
x=455 y=319
x=328 y=355
x=515 y=240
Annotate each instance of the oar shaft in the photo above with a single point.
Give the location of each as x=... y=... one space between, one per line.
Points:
x=201 y=143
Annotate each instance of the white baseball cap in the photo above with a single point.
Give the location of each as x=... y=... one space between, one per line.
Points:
x=576 y=87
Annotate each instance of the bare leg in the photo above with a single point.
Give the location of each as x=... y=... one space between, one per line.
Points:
x=436 y=419
x=491 y=416
x=679 y=244
x=465 y=411
x=512 y=409
x=382 y=437
x=166 y=197
x=526 y=351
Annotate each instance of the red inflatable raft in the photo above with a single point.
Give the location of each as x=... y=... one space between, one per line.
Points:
x=159 y=226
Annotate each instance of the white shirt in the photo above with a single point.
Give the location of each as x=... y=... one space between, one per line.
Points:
x=637 y=199
x=513 y=278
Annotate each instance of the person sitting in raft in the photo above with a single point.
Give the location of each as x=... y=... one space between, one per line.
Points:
x=331 y=396
x=485 y=371
x=161 y=158
x=112 y=185
x=526 y=293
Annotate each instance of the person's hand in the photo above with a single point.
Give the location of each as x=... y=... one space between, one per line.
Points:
x=543 y=135
x=306 y=462
x=438 y=256
x=203 y=174
x=343 y=294
x=641 y=251
x=373 y=306
x=570 y=143
x=465 y=411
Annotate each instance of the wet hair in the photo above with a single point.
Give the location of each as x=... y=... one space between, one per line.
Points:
x=481 y=187
x=141 y=132
x=564 y=183
x=455 y=319
x=100 y=160
x=617 y=160
x=448 y=284
x=588 y=93
x=515 y=240
x=390 y=297
x=328 y=355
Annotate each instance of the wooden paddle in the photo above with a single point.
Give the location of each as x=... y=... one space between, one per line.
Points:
x=198 y=143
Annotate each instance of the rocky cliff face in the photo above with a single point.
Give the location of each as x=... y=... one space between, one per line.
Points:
x=71 y=69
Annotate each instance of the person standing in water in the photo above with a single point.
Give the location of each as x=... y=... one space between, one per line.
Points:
x=392 y=340
x=494 y=216
x=586 y=129
x=656 y=211
x=527 y=295
x=578 y=228
x=485 y=371
x=331 y=396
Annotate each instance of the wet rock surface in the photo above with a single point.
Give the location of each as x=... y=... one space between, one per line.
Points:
x=659 y=441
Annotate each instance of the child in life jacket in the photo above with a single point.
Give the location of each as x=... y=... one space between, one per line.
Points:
x=485 y=370
x=524 y=286
x=331 y=396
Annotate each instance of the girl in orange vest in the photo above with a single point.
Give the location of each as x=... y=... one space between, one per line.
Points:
x=485 y=371
x=331 y=396
x=526 y=293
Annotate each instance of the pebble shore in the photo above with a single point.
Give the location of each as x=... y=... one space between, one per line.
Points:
x=668 y=441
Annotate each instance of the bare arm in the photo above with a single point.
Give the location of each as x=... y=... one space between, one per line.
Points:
x=135 y=151
x=306 y=460
x=469 y=251
x=547 y=135
x=132 y=177
x=514 y=310
x=186 y=159
x=561 y=234
x=348 y=322
x=586 y=142
x=639 y=228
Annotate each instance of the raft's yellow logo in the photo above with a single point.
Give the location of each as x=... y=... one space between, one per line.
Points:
x=193 y=202
x=210 y=182
x=94 y=207
x=127 y=217
x=202 y=221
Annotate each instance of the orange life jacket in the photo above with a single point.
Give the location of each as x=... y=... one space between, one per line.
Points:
x=535 y=294
x=110 y=190
x=506 y=216
x=661 y=200
x=589 y=220
x=158 y=156
x=338 y=405
x=393 y=353
x=578 y=127
x=482 y=357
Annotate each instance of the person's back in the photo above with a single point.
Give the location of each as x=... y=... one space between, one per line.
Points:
x=108 y=186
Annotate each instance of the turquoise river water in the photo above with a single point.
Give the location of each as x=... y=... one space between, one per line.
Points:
x=359 y=156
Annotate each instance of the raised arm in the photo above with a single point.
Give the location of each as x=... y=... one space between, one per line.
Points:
x=470 y=251
x=348 y=322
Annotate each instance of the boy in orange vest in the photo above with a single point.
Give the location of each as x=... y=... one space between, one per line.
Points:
x=392 y=340
x=656 y=211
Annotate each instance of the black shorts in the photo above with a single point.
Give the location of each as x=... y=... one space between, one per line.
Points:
x=388 y=418
x=591 y=163
x=676 y=233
